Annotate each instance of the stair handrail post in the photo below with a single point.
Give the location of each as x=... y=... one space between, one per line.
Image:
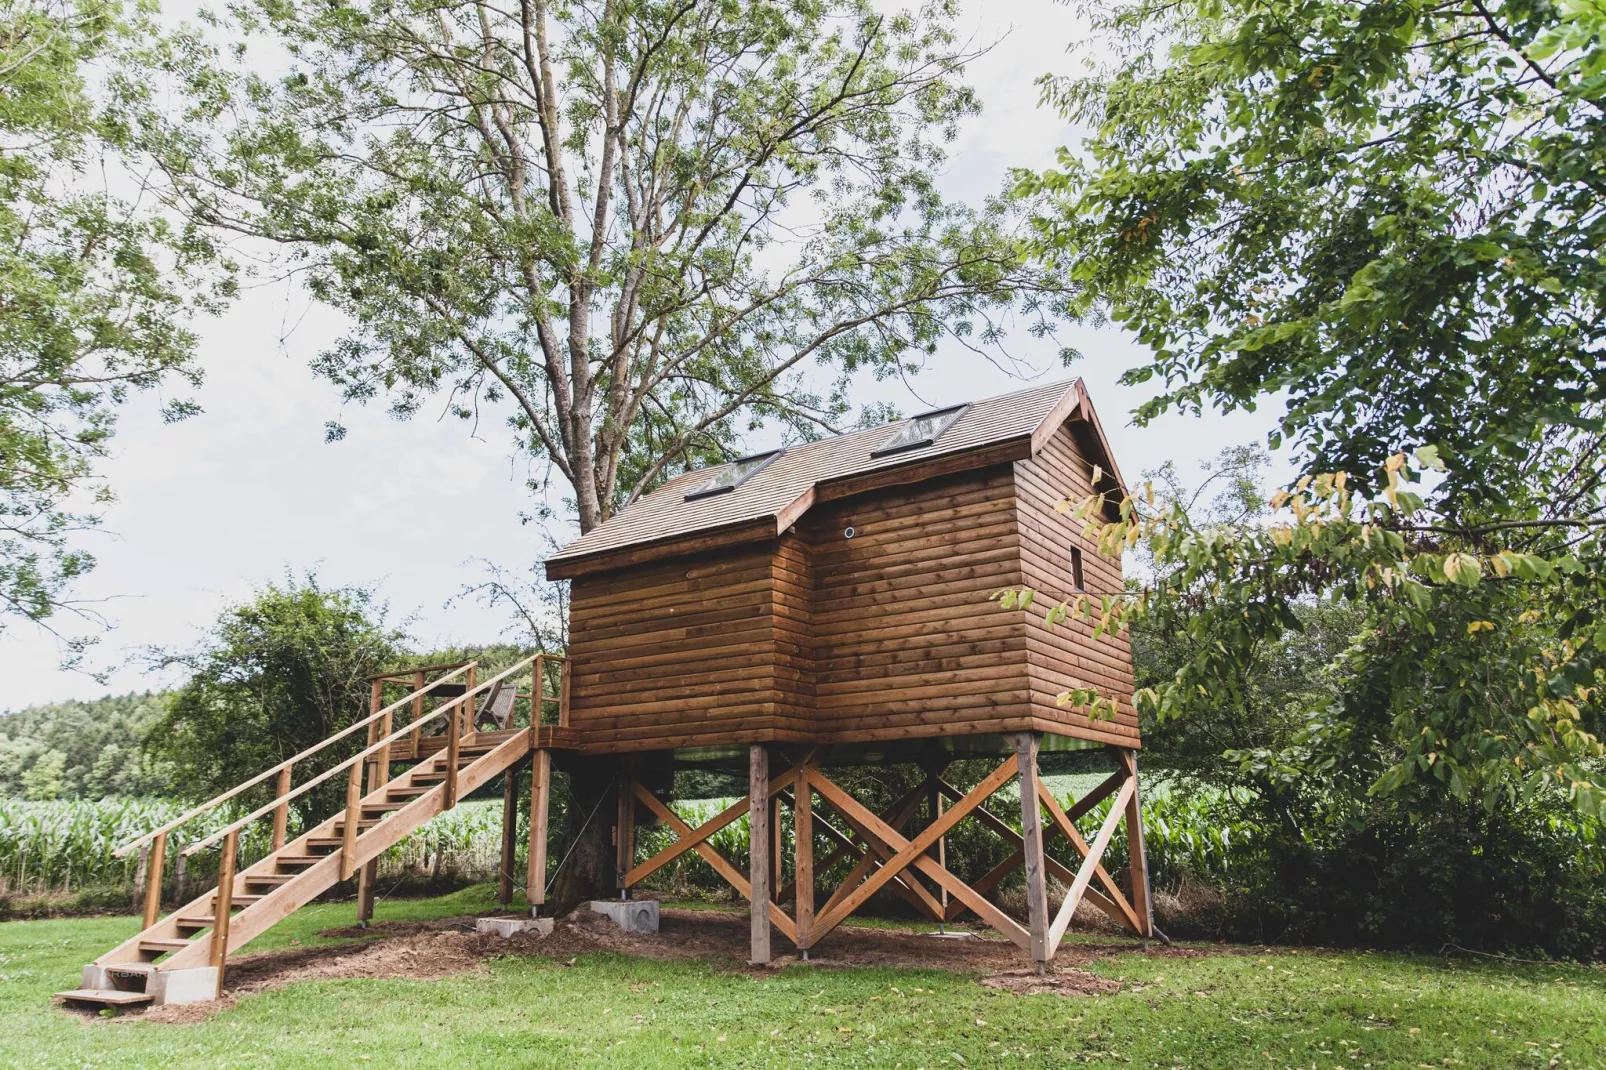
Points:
x=418 y=711
x=223 y=903
x=537 y=694
x=468 y=701
x=453 y=742
x=281 y=813
x=153 y=880
x=348 y=844
x=563 y=691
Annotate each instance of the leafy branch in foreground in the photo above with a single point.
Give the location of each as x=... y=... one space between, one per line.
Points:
x=1478 y=667
x=96 y=287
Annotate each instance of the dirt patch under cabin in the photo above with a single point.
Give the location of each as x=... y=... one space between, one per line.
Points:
x=435 y=949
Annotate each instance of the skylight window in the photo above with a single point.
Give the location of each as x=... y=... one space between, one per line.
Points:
x=728 y=477
x=920 y=430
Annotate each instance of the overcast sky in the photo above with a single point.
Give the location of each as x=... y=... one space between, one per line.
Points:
x=235 y=497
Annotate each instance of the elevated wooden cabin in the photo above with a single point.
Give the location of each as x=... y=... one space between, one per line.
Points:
x=837 y=592
x=813 y=606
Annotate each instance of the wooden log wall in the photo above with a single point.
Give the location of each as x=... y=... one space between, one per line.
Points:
x=1067 y=655
x=905 y=642
x=816 y=637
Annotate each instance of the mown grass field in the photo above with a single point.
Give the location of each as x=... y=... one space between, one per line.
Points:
x=1248 y=1008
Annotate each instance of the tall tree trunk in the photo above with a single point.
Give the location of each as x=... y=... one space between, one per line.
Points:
x=587 y=870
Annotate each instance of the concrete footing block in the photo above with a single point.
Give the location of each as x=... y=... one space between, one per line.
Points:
x=631 y=915
x=506 y=927
x=96 y=978
x=176 y=987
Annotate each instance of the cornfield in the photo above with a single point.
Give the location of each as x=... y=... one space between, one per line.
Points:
x=58 y=847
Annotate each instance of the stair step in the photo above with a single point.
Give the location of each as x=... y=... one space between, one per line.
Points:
x=143 y=969
x=383 y=806
x=269 y=878
x=299 y=860
x=411 y=790
x=340 y=826
x=162 y=946
x=111 y=997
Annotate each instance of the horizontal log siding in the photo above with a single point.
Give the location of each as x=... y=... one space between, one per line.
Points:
x=684 y=653
x=905 y=642
x=1068 y=656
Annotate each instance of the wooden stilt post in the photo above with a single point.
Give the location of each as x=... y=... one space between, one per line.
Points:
x=803 y=859
x=758 y=867
x=624 y=833
x=1142 y=900
x=153 y=881
x=540 y=790
x=510 y=831
x=1031 y=820
x=223 y=903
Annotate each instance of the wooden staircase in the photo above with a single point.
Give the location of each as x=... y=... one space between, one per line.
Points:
x=251 y=901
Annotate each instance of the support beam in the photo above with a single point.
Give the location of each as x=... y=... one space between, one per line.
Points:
x=1090 y=864
x=1031 y=823
x=758 y=876
x=540 y=797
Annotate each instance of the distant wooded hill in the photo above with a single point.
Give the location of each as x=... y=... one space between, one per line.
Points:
x=82 y=750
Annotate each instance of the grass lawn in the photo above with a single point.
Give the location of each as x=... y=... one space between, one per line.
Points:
x=1232 y=1010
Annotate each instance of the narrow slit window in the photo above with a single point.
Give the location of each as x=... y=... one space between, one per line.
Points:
x=1076 y=570
x=728 y=477
x=920 y=430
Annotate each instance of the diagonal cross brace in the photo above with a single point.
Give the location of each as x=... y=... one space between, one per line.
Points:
x=913 y=853
x=688 y=836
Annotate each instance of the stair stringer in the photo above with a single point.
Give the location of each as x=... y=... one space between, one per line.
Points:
x=293 y=894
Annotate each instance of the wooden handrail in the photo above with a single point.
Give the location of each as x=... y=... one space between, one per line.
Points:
x=361 y=755
x=399 y=673
x=189 y=815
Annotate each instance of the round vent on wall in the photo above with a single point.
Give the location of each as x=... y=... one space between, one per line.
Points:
x=848 y=532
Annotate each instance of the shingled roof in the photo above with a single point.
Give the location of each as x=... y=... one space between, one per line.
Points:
x=773 y=499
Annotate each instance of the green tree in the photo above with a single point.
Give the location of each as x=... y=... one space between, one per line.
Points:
x=630 y=226
x=1387 y=215
x=98 y=287
x=98 y=739
x=274 y=675
x=42 y=780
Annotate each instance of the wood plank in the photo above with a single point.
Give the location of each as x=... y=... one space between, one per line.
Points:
x=1123 y=913
x=540 y=808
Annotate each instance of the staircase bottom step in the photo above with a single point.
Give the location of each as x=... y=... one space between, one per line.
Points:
x=111 y=997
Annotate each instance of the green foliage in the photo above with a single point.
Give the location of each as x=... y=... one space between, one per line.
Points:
x=93 y=747
x=274 y=676
x=98 y=287
x=1388 y=209
x=630 y=228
